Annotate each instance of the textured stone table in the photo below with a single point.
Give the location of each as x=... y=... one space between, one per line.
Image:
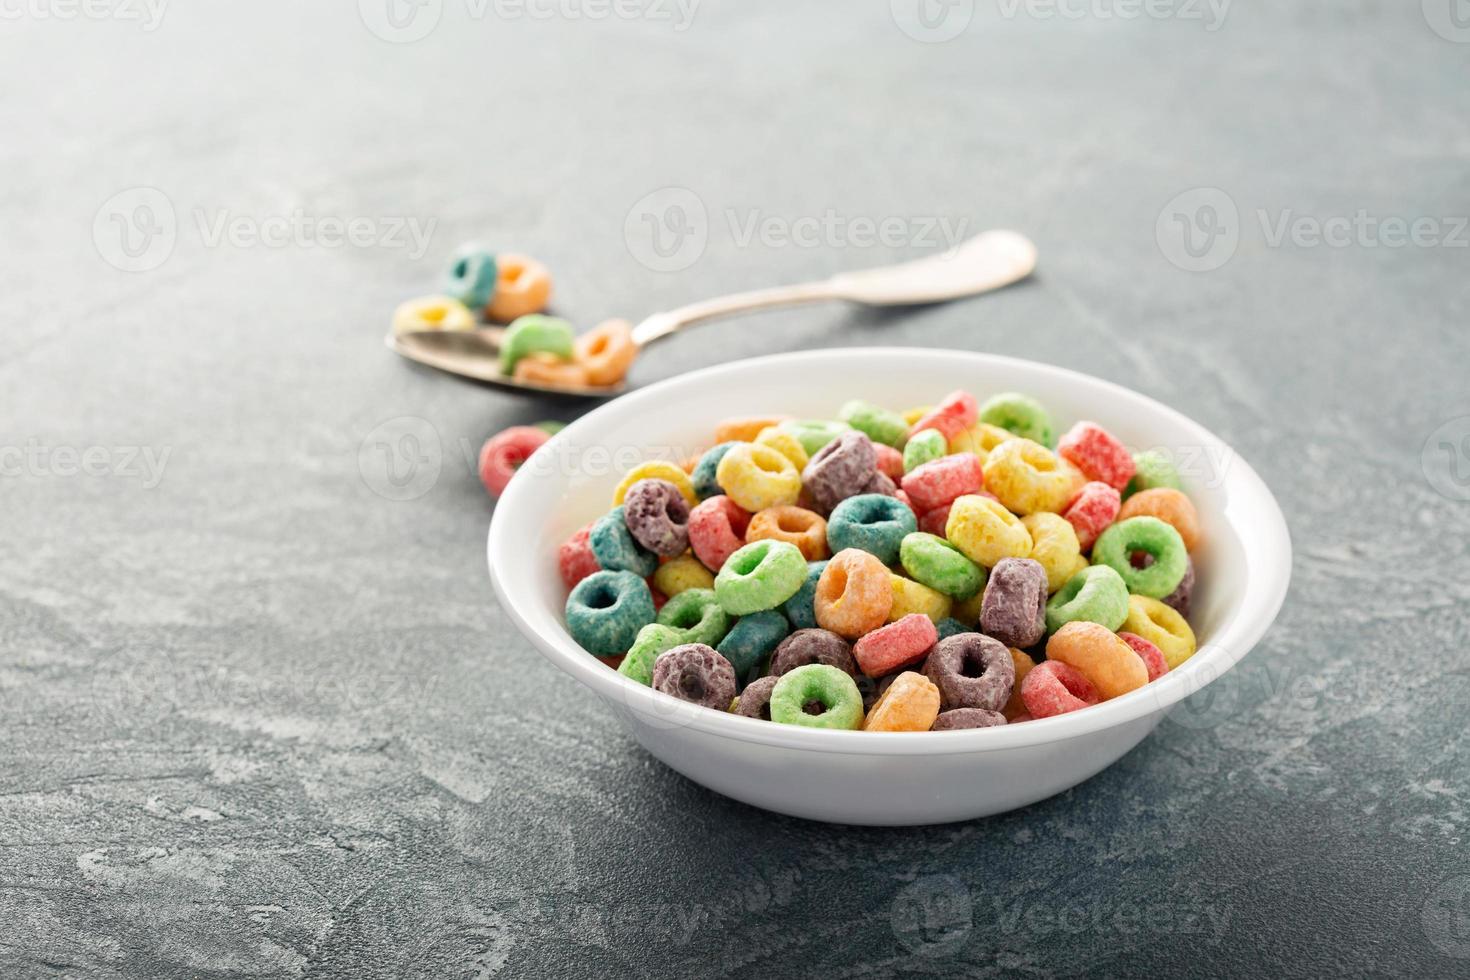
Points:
x=262 y=715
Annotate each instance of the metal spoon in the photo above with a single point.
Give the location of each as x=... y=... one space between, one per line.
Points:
x=988 y=261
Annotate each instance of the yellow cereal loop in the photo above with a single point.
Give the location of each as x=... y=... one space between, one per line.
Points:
x=985 y=532
x=1029 y=478
x=1054 y=544
x=432 y=313
x=784 y=443
x=979 y=439
x=682 y=574
x=914 y=414
x=912 y=597
x=657 y=469
x=968 y=612
x=1162 y=626
x=756 y=477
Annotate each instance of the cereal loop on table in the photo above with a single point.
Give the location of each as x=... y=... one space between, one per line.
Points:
x=1161 y=626
x=1168 y=505
x=656 y=469
x=522 y=286
x=757 y=477
x=939 y=482
x=985 y=531
x=695 y=673
x=794 y=525
x=895 y=646
x=606 y=352
x=1091 y=511
x=1098 y=454
x=1107 y=661
x=505 y=452
x=1118 y=546
x=817 y=696
x=760 y=576
x=1055 y=688
x=910 y=704
x=972 y=670
x=1029 y=478
x=853 y=594
x=606 y=610
x=717 y=530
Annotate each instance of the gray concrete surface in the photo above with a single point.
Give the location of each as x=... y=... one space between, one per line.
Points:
x=263 y=719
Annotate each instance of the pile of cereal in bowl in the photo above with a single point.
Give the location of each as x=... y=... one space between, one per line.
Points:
x=954 y=567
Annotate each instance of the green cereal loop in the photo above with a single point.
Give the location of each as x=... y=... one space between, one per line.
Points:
x=760 y=576
x=813 y=434
x=924 y=447
x=801 y=609
x=535 y=334
x=699 y=614
x=652 y=640
x=1152 y=468
x=832 y=688
x=751 y=640
x=1094 y=595
x=550 y=426
x=1116 y=546
x=1020 y=415
x=933 y=561
x=878 y=423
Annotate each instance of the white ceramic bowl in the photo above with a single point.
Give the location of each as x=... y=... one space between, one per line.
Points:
x=1243 y=566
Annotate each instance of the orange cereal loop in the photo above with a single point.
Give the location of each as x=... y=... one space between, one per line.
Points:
x=606 y=351
x=853 y=595
x=794 y=525
x=1168 y=505
x=522 y=287
x=745 y=429
x=910 y=704
x=1015 y=707
x=1104 y=657
x=548 y=369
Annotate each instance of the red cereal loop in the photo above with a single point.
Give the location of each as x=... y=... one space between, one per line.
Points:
x=658 y=597
x=504 y=452
x=717 y=530
x=956 y=413
x=1152 y=656
x=890 y=461
x=1098 y=454
x=903 y=498
x=943 y=480
x=1054 y=688
x=933 y=521
x=896 y=645
x=1092 y=510
x=575 y=559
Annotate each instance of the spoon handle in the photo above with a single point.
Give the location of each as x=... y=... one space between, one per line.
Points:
x=988 y=261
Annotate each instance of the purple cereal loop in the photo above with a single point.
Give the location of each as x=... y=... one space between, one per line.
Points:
x=657 y=516
x=1178 y=600
x=813 y=646
x=843 y=468
x=697 y=674
x=992 y=672
x=755 y=700
x=880 y=483
x=958 y=718
x=1013 y=609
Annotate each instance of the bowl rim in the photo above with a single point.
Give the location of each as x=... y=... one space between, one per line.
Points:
x=1265 y=543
